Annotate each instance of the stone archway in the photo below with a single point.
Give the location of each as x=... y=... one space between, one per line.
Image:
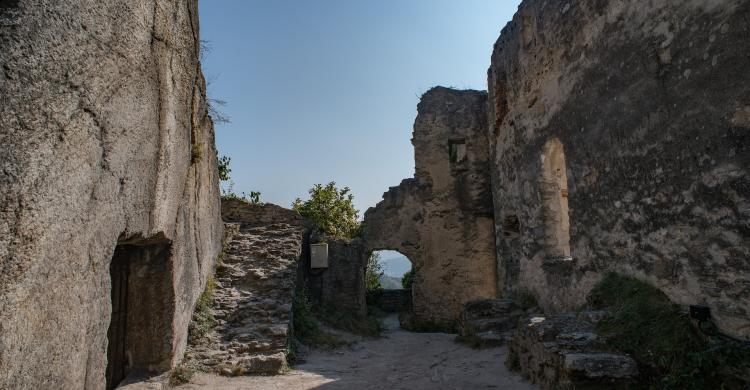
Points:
x=442 y=219
x=553 y=187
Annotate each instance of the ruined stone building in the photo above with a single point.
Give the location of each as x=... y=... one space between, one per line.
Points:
x=619 y=142
x=109 y=202
x=615 y=139
x=442 y=218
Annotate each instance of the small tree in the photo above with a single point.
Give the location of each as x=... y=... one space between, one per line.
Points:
x=224 y=169
x=373 y=273
x=331 y=209
x=408 y=279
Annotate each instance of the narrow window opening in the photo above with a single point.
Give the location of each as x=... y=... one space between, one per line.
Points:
x=457 y=151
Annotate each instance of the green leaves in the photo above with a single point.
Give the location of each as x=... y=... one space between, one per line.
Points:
x=331 y=209
x=373 y=273
x=224 y=169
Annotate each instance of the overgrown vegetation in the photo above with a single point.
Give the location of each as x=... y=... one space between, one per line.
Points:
x=203 y=319
x=331 y=209
x=671 y=352
x=373 y=273
x=408 y=279
x=228 y=191
x=180 y=375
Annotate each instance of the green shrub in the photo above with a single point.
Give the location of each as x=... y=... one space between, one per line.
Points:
x=224 y=169
x=373 y=273
x=408 y=279
x=330 y=209
x=203 y=319
x=670 y=351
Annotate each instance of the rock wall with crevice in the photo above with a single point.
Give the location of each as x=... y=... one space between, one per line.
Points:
x=619 y=135
x=442 y=218
x=106 y=142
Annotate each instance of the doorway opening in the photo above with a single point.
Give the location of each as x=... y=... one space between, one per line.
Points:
x=139 y=338
x=388 y=279
x=554 y=191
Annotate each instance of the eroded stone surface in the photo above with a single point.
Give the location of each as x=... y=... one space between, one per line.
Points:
x=105 y=140
x=649 y=102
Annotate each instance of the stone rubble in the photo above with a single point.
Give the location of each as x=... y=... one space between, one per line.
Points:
x=253 y=302
x=490 y=322
x=564 y=352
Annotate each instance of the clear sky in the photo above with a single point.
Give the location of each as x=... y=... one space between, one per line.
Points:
x=327 y=90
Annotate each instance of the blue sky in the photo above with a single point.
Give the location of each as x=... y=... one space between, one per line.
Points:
x=327 y=90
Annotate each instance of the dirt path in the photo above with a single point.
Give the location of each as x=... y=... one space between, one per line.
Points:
x=398 y=360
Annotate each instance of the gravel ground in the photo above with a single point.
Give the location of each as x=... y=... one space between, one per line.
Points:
x=398 y=360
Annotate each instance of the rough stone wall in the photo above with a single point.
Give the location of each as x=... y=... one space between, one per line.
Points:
x=650 y=102
x=105 y=139
x=396 y=300
x=442 y=218
x=341 y=286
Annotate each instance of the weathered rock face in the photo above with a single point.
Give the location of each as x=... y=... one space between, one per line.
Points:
x=108 y=189
x=442 y=218
x=619 y=136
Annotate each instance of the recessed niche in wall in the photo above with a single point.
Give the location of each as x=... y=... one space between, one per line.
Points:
x=554 y=190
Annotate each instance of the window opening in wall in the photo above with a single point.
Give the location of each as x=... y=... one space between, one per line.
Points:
x=554 y=191
x=457 y=151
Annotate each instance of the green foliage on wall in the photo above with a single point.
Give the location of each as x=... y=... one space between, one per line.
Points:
x=332 y=209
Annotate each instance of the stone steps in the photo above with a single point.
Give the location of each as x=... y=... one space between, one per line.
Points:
x=252 y=302
x=564 y=352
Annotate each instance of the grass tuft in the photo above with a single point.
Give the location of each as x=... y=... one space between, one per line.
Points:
x=181 y=375
x=203 y=319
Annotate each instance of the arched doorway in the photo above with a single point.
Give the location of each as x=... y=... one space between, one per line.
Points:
x=554 y=190
x=388 y=279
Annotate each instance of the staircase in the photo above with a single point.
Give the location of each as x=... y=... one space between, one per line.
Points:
x=252 y=301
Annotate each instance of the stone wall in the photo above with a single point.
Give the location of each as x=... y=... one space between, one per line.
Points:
x=442 y=218
x=106 y=142
x=396 y=300
x=620 y=136
x=341 y=286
